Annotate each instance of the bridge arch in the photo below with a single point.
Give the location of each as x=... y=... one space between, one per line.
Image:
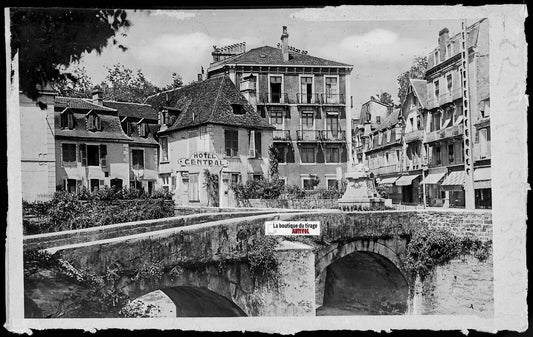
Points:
x=189 y=301
x=361 y=277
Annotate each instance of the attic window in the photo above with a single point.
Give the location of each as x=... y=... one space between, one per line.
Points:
x=143 y=129
x=94 y=122
x=67 y=120
x=238 y=109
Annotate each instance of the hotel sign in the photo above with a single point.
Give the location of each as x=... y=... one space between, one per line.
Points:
x=203 y=159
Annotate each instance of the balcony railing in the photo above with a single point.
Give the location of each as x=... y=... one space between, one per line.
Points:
x=307 y=98
x=281 y=135
x=416 y=163
x=386 y=169
x=333 y=99
x=449 y=132
x=414 y=136
x=329 y=135
x=274 y=98
x=308 y=135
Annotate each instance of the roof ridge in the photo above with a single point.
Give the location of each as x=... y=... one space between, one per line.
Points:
x=113 y=101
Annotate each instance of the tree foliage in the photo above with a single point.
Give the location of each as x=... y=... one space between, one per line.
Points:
x=177 y=82
x=123 y=85
x=417 y=71
x=82 y=87
x=49 y=40
x=383 y=97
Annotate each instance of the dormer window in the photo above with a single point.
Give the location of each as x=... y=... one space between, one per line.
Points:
x=126 y=126
x=238 y=109
x=94 y=122
x=67 y=120
x=143 y=129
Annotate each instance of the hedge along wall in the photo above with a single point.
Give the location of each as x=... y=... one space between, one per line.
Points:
x=294 y=203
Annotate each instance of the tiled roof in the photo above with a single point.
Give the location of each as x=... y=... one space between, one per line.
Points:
x=389 y=121
x=420 y=88
x=208 y=101
x=78 y=103
x=149 y=139
x=271 y=55
x=111 y=128
x=135 y=110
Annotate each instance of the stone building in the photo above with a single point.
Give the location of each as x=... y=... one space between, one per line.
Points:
x=306 y=98
x=94 y=149
x=383 y=153
x=38 y=163
x=445 y=127
x=209 y=125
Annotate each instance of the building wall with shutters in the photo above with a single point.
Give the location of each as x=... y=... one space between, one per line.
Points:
x=114 y=166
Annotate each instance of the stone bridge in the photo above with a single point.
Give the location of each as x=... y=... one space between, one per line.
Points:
x=354 y=266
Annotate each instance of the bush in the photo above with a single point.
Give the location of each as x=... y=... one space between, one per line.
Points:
x=68 y=211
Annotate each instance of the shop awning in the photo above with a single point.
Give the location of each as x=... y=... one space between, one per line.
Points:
x=455 y=178
x=406 y=180
x=433 y=178
x=388 y=181
x=482 y=177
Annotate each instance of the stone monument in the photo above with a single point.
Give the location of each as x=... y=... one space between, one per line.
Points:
x=360 y=191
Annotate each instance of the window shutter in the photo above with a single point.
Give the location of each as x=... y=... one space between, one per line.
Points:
x=251 y=147
x=90 y=122
x=319 y=155
x=98 y=123
x=342 y=115
x=103 y=151
x=258 y=151
x=102 y=182
x=344 y=154
x=290 y=154
x=63 y=120
x=318 y=114
x=288 y=113
x=70 y=120
x=83 y=154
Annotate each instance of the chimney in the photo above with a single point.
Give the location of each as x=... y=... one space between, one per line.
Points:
x=97 y=96
x=200 y=77
x=285 y=44
x=443 y=40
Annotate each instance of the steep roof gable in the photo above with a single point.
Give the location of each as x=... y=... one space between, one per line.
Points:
x=208 y=101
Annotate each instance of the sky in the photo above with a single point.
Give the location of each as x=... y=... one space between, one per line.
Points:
x=161 y=42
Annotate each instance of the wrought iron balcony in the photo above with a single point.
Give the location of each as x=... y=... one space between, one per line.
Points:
x=281 y=135
x=414 y=136
x=274 y=98
x=333 y=99
x=307 y=98
x=449 y=132
x=308 y=135
x=333 y=136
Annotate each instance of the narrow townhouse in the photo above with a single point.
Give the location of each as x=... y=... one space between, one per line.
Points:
x=384 y=156
x=454 y=102
x=209 y=125
x=140 y=122
x=305 y=98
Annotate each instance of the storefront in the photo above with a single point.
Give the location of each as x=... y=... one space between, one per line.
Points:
x=483 y=187
x=434 y=193
x=410 y=188
x=453 y=185
x=388 y=186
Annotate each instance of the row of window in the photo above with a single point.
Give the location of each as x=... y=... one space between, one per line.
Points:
x=310 y=154
x=94 y=155
x=448 y=51
x=73 y=185
x=94 y=122
x=231 y=143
